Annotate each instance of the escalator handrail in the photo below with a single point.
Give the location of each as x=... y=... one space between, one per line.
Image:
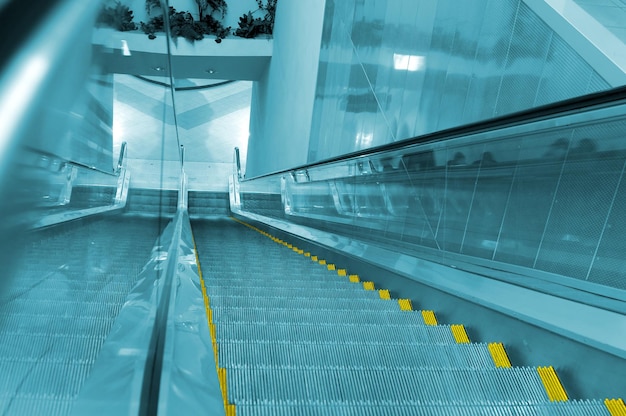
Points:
x=588 y=102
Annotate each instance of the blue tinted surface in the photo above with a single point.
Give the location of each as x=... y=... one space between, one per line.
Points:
x=544 y=198
x=395 y=69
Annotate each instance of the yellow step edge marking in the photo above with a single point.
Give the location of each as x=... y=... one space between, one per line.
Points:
x=342 y=272
x=230 y=410
x=212 y=330
x=307 y=254
x=331 y=267
x=429 y=318
x=460 y=336
x=384 y=294
x=322 y=262
x=405 y=304
x=368 y=285
x=300 y=251
x=221 y=375
x=499 y=355
x=314 y=258
x=556 y=392
x=616 y=407
x=354 y=278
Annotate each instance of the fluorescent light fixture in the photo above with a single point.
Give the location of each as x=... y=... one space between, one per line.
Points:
x=408 y=62
x=125 y=50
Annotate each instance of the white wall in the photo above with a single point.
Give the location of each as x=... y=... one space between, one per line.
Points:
x=282 y=101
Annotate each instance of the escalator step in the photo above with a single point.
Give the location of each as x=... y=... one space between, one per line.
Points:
x=35 y=376
x=104 y=295
x=35 y=404
x=302 y=302
x=377 y=386
x=67 y=325
x=347 y=292
x=285 y=271
x=295 y=282
x=337 y=332
x=335 y=355
x=574 y=408
x=318 y=316
x=61 y=307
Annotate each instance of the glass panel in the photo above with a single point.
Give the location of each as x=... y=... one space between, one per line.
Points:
x=428 y=67
x=532 y=193
x=62 y=287
x=527 y=199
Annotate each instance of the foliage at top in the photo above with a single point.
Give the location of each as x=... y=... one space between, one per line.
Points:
x=251 y=26
x=153 y=7
x=182 y=24
x=211 y=6
x=118 y=16
x=211 y=14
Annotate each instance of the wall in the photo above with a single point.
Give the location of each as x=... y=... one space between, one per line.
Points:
x=282 y=101
x=392 y=69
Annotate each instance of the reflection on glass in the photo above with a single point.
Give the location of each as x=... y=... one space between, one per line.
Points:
x=424 y=66
x=543 y=198
x=64 y=282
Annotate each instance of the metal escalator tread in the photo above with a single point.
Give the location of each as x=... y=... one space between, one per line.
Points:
x=365 y=355
x=295 y=282
x=320 y=316
x=346 y=292
x=299 y=300
x=291 y=341
x=280 y=332
x=573 y=408
x=59 y=305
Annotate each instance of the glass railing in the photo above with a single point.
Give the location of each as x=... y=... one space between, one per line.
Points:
x=64 y=125
x=69 y=120
x=540 y=195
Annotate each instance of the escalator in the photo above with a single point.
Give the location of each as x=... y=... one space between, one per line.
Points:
x=59 y=305
x=292 y=333
x=296 y=335
x=357 y=285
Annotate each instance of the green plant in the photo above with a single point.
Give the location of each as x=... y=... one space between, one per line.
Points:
x=152 y=5
x=118 y=16
x=155 y=24
x=183 y=25
x=212 y=26
x=251 y=26
x=211 y=6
